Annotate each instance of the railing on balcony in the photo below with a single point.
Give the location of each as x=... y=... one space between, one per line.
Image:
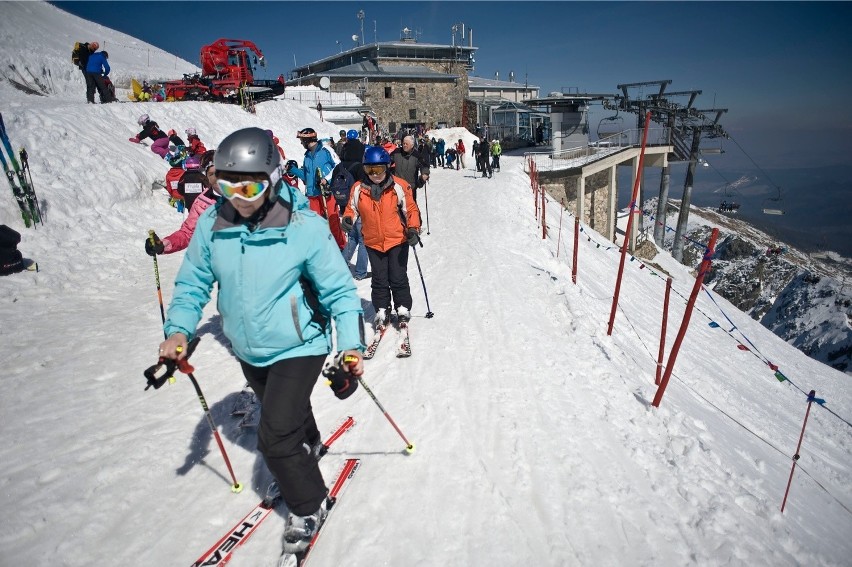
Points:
x=581 y=155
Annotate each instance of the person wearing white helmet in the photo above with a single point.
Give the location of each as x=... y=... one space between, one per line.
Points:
x=281 y=282
x=150 y=129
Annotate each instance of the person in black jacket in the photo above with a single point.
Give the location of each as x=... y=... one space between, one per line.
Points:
x=353 y=153
x=150 y=129
x=80 y=57
x=410 y=165
x=483 y=153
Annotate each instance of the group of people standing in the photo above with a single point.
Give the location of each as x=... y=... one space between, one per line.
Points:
x=282 y=280
x=94 y=65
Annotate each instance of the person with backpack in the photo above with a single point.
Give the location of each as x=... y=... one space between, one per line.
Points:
x=150 y=129
x=180 y=238
x=315 y=173
x=97 y=67
x=410 y=164
x=342 y=181
x=474 y=154
x=440 y=150
x=80 y=57
x=391 y=225
x=281 y=283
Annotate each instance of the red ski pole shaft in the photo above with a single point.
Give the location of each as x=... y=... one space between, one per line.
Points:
x=409 y=447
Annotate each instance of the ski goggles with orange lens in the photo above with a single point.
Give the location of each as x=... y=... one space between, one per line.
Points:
x=375 y=169
x=245 y=190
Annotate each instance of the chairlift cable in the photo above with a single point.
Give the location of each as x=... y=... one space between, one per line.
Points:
x=755 y=165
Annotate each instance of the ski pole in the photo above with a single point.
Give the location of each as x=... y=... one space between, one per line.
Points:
x=164 y=370
x=157 y=278
x=426 y=194
x=409 y=447
x=429 y=313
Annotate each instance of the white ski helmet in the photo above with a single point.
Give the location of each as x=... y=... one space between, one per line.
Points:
x=190 y=132
x=143 y=119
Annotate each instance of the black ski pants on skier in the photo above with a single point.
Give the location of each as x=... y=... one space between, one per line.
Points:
x=390 y=277
x=287 y=429
x=96 y=81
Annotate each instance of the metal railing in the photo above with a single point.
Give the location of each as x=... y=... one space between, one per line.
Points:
x=581 y=155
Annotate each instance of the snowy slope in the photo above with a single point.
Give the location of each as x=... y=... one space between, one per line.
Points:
x=536 y=442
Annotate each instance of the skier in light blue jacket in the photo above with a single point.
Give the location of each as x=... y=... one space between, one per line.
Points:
x=281 y=281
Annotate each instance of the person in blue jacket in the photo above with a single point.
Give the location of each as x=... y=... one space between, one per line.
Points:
x=281 y=282
x=96 y=69
x=317 y=156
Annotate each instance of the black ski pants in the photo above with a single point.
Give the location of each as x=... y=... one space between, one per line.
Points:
x=390 y=277
x=96 y=81
x=287 y=428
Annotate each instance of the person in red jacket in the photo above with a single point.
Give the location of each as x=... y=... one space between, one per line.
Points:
x=390 y=224
x=196 y=146
x=179 y=239
x=460 y=151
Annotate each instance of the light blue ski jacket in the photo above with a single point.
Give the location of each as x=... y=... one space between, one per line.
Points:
x=321 y=157
x=276 y=283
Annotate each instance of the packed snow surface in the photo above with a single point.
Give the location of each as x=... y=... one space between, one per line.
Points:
x=537 y=443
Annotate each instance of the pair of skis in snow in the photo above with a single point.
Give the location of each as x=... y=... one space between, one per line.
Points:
x=22 y=188
x=403 y=349
x=222 y=551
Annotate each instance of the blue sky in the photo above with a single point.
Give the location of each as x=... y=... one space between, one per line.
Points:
x=782 y=68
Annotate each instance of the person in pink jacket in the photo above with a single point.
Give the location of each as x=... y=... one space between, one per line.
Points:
x=180 y=238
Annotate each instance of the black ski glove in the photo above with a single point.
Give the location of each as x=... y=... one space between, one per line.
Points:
x=156 y=248
x=412 y=236
x=347 y=224
x=341 y=381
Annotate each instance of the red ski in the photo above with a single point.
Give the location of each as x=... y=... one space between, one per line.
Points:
x=222 y=551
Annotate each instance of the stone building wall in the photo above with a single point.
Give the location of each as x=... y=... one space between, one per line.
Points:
x=435 y=100
x=563 y=188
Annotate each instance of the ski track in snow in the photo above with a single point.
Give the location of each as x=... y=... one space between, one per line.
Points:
x=536 y=442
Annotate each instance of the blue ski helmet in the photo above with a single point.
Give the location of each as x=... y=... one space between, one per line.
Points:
x=352 y=135
x=375 y=155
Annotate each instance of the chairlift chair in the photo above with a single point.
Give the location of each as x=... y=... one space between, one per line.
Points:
x=772 y=205
x=728 y=206
x=616 y=126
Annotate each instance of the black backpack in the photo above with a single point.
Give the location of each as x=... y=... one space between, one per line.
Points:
x=11 y=260
x=341 y=182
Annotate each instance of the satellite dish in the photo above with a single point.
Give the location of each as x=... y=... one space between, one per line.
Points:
x=324 y=82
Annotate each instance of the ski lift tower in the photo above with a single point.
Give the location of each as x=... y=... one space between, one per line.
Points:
x=685 y=125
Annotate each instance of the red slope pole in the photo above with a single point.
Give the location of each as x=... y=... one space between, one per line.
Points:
x=811 y=398
x=543 y=218
x=663 y=331
x=684 y=325
x=559 y=238
x=576 y=245
x=629 y=225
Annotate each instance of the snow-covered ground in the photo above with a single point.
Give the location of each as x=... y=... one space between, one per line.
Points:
x=536 y=441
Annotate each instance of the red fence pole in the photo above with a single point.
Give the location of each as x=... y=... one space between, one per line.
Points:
x=576 y=245
x=699 y=279
x=543 y=219
x=811 y=398
x=663 y=331
x=629 y=225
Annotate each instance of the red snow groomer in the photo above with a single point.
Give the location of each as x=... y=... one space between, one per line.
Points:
x=227 y=75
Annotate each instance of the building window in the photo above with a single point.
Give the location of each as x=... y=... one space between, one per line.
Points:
x=412 y=94
x=412 y=113
x=388 y=92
